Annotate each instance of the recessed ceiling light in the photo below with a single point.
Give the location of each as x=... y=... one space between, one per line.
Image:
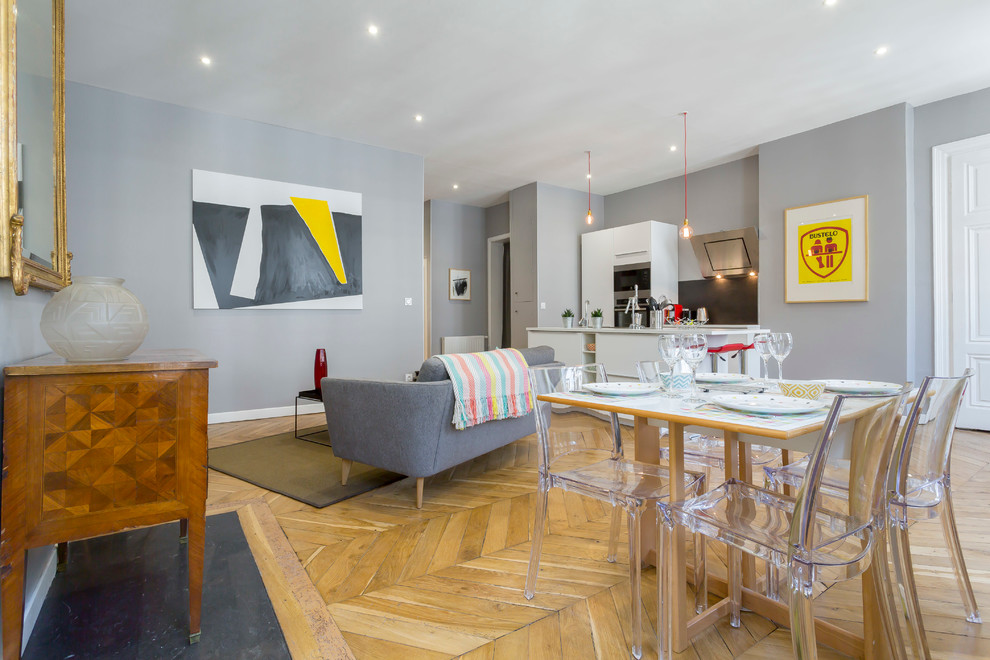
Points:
x=830 y=3
x=673 y=147
x=456 y=186
x=881 y=51
x=589 y=176
x=419 y=117
x=206 y=60
x=372 y=29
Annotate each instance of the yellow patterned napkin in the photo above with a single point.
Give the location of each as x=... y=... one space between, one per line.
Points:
x=803 y=389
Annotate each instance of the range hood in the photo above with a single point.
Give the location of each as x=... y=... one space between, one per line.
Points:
x=733 y=253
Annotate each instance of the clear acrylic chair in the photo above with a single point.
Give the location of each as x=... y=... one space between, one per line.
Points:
x=920 y=484
x=577 y=459
x=814 y=536
x=702 y=451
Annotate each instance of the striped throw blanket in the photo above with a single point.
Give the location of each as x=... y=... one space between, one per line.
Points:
x=487 y=386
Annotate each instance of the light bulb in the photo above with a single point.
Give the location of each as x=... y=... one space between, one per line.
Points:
x=686 y=231
x=590 y=219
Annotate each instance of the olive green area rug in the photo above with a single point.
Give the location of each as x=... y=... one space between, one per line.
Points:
x=305 y=471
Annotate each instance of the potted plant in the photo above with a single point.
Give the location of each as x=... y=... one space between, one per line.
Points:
x=596 y=318
x=568 y=317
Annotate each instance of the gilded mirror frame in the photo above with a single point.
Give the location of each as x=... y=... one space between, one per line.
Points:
x=24 y=272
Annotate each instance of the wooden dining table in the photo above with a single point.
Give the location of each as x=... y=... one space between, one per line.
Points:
x=789 y=433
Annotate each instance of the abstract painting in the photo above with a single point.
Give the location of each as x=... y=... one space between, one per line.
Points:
x=460 y=284
x=273 y=245
x=826 y=257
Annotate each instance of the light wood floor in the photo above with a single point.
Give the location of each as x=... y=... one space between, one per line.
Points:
x=446 y=581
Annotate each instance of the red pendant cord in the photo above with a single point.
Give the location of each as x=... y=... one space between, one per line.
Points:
x=589 y=183
x=685 y=166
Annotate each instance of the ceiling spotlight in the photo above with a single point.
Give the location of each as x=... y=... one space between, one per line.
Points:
x=881 y=51
x=673 y=147
x=372 y=29
x=419 y=117
x=206 y=60
x=456 y=186
x=830 y=3
x=589 y=176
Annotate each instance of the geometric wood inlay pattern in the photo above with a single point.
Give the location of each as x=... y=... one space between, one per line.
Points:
x=446 y=581
x=108 y=444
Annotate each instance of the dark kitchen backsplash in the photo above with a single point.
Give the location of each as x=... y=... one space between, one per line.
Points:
x=730 y=300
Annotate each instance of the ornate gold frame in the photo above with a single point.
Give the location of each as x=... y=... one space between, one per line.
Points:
x=24 y=272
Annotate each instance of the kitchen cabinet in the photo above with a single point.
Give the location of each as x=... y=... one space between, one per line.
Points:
x=631 y=243
x=596 y=273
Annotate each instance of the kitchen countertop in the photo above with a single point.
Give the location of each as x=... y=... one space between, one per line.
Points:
x=703 y=329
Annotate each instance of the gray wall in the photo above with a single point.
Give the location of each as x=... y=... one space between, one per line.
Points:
x=129 y=207
x=936 y=123
x=560 y=221
x=497 y=220
x=458 y=240
x=862 y=155
x=20 y=339
x=719 y=198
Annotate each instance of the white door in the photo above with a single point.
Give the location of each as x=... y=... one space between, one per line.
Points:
x=968 y=216
x=596 y=274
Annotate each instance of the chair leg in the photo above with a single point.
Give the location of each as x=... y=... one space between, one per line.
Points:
x=735 y=585
x=345 y=469
x=700 y=573
x=771 y=578
x=664 y=560
x=904 y=571
x=635 y=574
x=803 y=642
x=948 y=518
x=613 y=534
x=537 y=546
x=883 y=587
x=419 y=492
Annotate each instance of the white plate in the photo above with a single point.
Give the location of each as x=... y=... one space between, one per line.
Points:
x=709 y=377
x=774 y=404
x=622 y=389
x=861 y=387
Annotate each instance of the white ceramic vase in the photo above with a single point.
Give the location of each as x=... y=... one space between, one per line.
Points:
x=94 y=319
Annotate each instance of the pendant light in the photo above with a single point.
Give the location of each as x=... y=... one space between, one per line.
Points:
x=685 y=231
x=590 y=218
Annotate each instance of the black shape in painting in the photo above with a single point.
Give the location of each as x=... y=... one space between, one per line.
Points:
x=460 y=286
x=220 y=230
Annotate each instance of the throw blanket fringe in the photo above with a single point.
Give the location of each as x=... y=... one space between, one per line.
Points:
x=487 y=386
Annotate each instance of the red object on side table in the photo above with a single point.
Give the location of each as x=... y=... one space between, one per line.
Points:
x=319 y=368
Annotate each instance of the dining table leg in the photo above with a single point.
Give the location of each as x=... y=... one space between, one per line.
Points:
x=678 y=575
x=745 y=475
x=647 y=439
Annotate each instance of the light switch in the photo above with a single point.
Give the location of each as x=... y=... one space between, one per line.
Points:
x=408 y=302
x=543 y=305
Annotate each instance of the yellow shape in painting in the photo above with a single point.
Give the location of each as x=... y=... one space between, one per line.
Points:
x=825 y=251
x=316 y=214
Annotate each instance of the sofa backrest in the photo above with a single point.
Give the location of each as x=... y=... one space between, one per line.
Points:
x=433 y=369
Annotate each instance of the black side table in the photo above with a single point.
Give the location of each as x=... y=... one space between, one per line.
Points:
x=320 y=436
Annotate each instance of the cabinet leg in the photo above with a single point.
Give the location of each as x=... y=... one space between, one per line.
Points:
x=183 y=530
x=62 y=553
x=12 y=603
x=197 y=533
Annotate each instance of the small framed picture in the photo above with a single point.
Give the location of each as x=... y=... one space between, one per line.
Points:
x=826 y=256
x=460 y=284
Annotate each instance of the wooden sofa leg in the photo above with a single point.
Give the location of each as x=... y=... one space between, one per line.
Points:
x=419 y=492
x=345 y=469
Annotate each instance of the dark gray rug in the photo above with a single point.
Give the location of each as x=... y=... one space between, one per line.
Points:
x=125 y=595
x=304 y=471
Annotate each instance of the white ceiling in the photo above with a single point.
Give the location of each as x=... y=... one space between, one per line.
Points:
x=514 y=91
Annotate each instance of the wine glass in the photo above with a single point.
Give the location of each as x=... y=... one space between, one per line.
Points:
x=780 y=347
x=762 y=345
x=694 y=349
x=670 y=352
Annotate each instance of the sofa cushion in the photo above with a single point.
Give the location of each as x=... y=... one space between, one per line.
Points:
x=433 y=369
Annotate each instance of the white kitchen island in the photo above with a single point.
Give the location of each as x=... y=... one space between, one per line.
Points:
x=620 y=348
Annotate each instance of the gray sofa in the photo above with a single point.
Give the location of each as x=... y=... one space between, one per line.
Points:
x=406 y=427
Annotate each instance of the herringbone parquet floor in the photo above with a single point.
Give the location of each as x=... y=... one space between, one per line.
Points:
x=446 y=581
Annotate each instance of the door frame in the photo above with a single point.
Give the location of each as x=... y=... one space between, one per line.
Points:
x=501 y=238
x=941 y=248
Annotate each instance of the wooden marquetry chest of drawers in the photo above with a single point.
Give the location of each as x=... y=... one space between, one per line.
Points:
x=96 y=448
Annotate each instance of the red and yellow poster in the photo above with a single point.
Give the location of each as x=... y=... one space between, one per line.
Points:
x=824 y=250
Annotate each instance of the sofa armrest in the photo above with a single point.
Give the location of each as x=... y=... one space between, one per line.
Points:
x=390 y=425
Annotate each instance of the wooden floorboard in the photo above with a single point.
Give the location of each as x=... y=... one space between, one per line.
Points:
x=445 y=581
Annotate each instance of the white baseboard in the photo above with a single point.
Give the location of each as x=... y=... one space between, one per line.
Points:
x=263 y=413
x=34 y=596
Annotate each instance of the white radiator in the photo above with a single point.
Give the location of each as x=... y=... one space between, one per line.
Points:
x=467 y=344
